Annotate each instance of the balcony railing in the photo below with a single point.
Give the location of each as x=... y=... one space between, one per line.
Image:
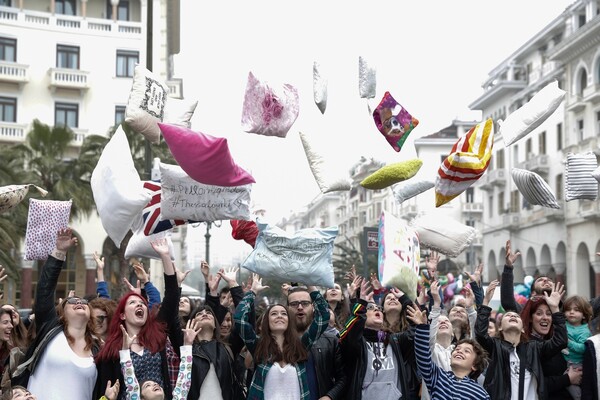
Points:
x=11 y=132
x=589 y=209
x=497 y=177
x=576 y=104
x=13 y=72
x=592 y=93
x=511 y=221
x=68 y=78
x=539 y=163
x=408 y=211
x=175 y=88
x=472 y=208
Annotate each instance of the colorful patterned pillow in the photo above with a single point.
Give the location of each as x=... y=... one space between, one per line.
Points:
x=393 y=121
x=319 y=88
x=244 y=230
x=44 y=220
x=304 y=256
x=184 y=198
x=531 y=115
x=579 y=181
x=533 y=188
x=443 y=234
x=268 y=111
x=152 y=219
x=139 y=245
x=393 y=173
x=203 y=157
x=467 y=162
x=327 y=172
x=12 y=195
x=367 y=79
x=118 y=191
x=411 y=188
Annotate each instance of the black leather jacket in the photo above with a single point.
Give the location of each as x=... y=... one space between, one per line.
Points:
x=533 y=353
x=327 y=357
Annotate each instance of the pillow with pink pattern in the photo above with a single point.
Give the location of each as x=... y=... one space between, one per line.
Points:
x=204 y=158
x=267 y=110
x=44 y=220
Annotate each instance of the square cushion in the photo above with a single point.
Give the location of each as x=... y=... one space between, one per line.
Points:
x=204 y=158
x=44 y=220
x=330 y=176
x=319 y=87
x=152 y=219
x=443 y=234
x=411 y=188
x=304 y=256
x=244 y=230
x=267 y=110
x=393 y=121
x=532 y=114
x=12 y=195
x=579 y=181
x=367 y=79
x=399 y=255
x=118 y=191
x=139 y=245
x=392 y=173
x=467 y=162
x=184 y=198
x=533 y=188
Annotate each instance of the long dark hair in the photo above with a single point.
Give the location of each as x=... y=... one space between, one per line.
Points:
x=402 y=323
x=268 y=351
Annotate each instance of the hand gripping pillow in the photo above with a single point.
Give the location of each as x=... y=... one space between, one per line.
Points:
x=12 y=195
x=153 y=221
x=140 y=246
x=399 y=255
x=184 y=198
x=269 y=112
x=319 y=88
x=531 y=115
x=367 y=79
x=118 y=191
x=244 y=230
x=304 y=256
x=203 y=157
x=533 y=188
x=44 y=220
x=579 y=181
x=411 y=188
x=326 y=170
x=443 y=234
x=467 y=162
x=393 y=121
x=393 y=173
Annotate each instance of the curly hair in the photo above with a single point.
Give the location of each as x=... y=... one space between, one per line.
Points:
x=481 y=357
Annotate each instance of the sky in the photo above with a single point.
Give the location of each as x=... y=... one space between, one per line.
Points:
x=431 y=56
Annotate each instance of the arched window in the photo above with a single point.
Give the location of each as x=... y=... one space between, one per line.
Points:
x=582 y=81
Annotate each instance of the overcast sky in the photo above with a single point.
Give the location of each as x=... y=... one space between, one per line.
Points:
x=431 y=56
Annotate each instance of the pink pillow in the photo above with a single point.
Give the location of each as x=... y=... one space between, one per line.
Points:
x=44 y=220
x=204 y=158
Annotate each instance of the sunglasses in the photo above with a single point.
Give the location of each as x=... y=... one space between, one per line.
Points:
x=101 y=318
x=77 y=300
x=296 y=304
x=374 y=307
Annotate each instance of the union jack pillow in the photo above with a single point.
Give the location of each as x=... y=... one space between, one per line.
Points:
x=151 y=216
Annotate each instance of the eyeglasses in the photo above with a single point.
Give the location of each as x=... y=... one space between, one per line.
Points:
x=101 y=318
x=296 y=304
x=374 y=307
x=77 y=300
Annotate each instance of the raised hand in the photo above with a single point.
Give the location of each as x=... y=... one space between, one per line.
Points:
x=127 y=340
x=510 y=257
x=230 y=276
x=181 y=275
x=489 y=292
x=285 y=289
x=161 y=246
x=351 y=275
x=553 y=300
x=469 y=297
x=356 y=282
x=213 y=283
x=415 y=314
x=130 y=287
x=3 y=275
x=191 y=330
x=435 y=293
x=99 y=266
x=112 y=391
x=205 y=269
x=476 y=275
x=65 y=240
x=366 y=291
x=375 y=281
x=397 y=292
x=257 y=285
x=140 y=272
x=422 y=296
x=431 y=263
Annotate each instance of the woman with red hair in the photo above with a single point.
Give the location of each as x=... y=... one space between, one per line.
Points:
x=151 y=327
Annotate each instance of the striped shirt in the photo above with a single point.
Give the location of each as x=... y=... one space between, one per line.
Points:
x=443 y=385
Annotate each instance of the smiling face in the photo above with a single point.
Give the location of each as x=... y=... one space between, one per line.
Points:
x=16 y=318
x=6 y=327
x=458 y=314
x=225 y=328
x=278 y=319
x=444 y=326
x=542 y=284
x=135 y=312
x=101 y=319
x=205 y=320
x=76 y=308
x=511 y=321
x=334 y=294
x=152 y=391
x=22 y=394
x=184 y=306
x=391 y=303
x=463 y=357
x=541 y=320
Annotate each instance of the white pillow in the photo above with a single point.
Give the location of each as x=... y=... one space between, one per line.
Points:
x=443 y=234
x=327 y=172
x=411 y=188
x=579 y=180
x=533 y=188
x=184 y=198
x=118 y=191
x=179 y=112
x=139 y=245
x=532 y=114
x=319 y=88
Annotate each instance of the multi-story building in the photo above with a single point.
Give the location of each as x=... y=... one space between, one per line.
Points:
x=70 y=62
x=560 y=243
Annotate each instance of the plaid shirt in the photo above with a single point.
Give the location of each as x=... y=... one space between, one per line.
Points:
x=247 y=333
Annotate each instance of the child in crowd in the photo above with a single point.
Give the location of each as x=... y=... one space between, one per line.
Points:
x=578 y=312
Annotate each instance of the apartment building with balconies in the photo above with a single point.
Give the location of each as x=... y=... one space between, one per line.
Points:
x=560 y=243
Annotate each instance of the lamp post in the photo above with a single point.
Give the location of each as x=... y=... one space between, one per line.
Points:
x=207 y=242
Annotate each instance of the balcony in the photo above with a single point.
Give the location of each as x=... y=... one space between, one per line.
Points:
x=477 y=241
x=80 y=135
x=539 y=164
x=11 y=72
x=590 y=144
x=511 y=221
x=553 y=213
x=589 y=209
x=408 y=211
x=472 y=208
x=65 y=78
x=576 y=104
x=497 y=177
x=592 y=93
x=175 y=88
x=11 y=132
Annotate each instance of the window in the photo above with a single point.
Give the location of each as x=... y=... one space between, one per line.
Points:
x=515 y=154
x=5 y=3
x=8 y=109
x=470 y=195
x=66 y=114
x=122 y=10
x=597 y=122
x=119 y=114
x=528 y=149
x=8 y=49
x=67 y=57
x=65 y=7
x=559 y=139
x=579 y=130
x=491 y=207
x=126 y=61
x=378 y=209
x=582 y=82
x=559 y=187
x=542 y=143
x=500 y=159
x=470 y=222
x=581 y=20
x=514 y=201
x=501 y=203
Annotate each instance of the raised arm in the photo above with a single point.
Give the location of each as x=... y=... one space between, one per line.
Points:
x=507 y=289
x=483 y=319
x=559 y=338
x=320 y=319
x=244 y=327
x=101 y=286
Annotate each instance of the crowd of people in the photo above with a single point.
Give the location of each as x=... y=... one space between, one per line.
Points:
x=356 y=340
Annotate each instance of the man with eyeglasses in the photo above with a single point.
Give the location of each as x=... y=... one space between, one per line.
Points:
x=325 y=370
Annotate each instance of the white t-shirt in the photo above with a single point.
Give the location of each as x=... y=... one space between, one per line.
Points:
x=282 y=383
x=530 y=384
x=211 y=387
x=61 y=374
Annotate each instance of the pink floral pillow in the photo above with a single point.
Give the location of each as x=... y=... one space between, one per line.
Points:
x=204 y=158
x=393 y=121
x=45 y=218
x=267 y=111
